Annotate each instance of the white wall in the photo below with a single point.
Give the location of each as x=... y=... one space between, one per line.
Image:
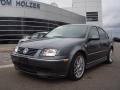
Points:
x=82 y=6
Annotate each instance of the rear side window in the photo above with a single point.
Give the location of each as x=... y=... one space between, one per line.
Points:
x=103 y=34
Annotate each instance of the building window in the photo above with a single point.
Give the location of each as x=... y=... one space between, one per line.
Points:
x=92 y=16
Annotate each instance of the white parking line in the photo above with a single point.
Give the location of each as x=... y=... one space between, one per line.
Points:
x=6 y=66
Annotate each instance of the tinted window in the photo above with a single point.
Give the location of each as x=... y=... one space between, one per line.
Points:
x=93 y=33
x=103 y=34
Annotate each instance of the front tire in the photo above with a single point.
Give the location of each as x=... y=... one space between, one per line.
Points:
x=77 y=68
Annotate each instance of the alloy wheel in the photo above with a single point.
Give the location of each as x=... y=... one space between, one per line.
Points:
x=79 y=66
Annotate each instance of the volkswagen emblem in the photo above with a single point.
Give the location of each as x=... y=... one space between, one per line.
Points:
x=25 y=51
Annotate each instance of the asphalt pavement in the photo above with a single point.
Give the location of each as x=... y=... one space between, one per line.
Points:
x=101 y=77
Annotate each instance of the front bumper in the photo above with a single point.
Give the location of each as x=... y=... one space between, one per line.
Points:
x=42 y=67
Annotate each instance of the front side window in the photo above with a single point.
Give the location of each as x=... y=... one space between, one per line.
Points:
x=93 y=33
x=69 y=31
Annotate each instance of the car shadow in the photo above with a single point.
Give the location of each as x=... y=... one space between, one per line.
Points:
x=96 y=67
x=62 y=80
x=42 y=79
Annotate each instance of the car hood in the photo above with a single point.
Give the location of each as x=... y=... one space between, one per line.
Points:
x=51 y=43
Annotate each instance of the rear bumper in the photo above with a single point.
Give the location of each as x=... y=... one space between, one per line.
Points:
x=41 y=67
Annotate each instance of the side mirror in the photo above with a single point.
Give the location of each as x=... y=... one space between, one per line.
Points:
x=94 y=37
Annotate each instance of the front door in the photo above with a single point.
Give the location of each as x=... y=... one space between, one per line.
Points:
x=93 y=45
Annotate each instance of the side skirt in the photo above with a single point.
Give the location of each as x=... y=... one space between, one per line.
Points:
x=96 y=62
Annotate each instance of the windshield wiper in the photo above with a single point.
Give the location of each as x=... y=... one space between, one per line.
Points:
x=58 y=37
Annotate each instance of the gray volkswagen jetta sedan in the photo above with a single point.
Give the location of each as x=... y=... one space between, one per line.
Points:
x=65 y=51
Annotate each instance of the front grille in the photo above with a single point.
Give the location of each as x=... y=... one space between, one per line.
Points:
x=30 y=52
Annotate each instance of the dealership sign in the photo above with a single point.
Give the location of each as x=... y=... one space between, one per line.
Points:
x=20 y=3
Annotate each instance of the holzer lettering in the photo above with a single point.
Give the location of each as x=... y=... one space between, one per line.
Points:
x=27 y=4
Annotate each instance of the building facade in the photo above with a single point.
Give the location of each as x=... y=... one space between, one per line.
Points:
x=20 y=17
x=91 y=9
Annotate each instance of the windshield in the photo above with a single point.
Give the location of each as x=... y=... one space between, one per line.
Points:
x=68 y=31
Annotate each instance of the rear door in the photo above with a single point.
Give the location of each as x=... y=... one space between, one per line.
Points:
x=93 y=46
x=104 y=42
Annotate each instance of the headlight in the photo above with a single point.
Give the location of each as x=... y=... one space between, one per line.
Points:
x=49 y=52
x=16 y=49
